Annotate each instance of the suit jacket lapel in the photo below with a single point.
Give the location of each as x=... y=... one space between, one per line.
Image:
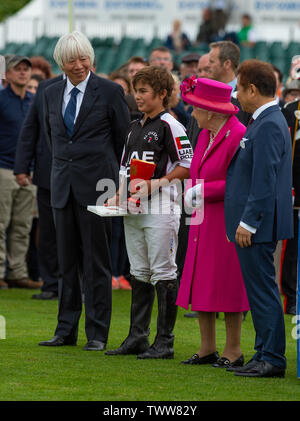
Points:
x=219 y=138
x=89 y=98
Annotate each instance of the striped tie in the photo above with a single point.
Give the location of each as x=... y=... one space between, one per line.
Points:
x=70 y=112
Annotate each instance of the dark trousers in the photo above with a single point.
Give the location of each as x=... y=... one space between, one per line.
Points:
x=258 y=272
x=289 y=267
x=47 y=249
x=83 y=243
x=120 y=262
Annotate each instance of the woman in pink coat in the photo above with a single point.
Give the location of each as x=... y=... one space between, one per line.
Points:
x=212 y=281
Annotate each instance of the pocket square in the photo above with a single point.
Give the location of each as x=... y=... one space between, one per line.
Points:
x=242 y=142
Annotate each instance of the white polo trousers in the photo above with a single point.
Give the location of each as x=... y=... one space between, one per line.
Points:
x=151 y=242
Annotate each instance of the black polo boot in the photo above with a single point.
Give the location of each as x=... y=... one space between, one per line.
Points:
x=142 y=298
x=162 y=346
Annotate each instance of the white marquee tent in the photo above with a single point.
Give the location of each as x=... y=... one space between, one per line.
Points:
x=274 y=20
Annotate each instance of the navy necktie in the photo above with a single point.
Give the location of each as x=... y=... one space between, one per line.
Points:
x=70 y=112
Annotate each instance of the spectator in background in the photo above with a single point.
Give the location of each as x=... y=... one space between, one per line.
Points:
x=16 y=202
x=189 y=65
x=123 y=80
x=33 y=83
x=31 y=146
x=207 y=31
x=224 y=59
x=177 y=41
x=295 y=68
x=134 y=64
x=291 y=92
x=161 y=56
x=40 y=66
x=176 y=105
x=279 y=78
x=246 y=35
x=203 y=69
x=130 y=68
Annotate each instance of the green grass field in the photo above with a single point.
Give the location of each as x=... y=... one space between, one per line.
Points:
x=32 y=373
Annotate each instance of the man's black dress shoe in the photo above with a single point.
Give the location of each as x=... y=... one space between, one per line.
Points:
x=207 y=359
x=261 y=369
x=247 y=366
x=59 y=341
x=94 y=346
x=225 y=362
x=45 y=295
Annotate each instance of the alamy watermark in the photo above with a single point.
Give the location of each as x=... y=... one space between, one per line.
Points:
x=296 y=329
x=166 y=200
x=2 y=327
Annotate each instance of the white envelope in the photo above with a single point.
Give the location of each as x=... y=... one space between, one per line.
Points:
x=107 y=210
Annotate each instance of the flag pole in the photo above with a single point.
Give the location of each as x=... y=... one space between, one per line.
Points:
x=71 y=14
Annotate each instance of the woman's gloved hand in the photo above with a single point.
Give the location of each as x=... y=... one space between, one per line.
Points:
x=193 y=197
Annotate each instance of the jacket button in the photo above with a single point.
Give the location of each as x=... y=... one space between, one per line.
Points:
x=70 y=160
x=70 y=142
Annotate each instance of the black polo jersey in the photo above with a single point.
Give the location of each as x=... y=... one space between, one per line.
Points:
x=161 y=140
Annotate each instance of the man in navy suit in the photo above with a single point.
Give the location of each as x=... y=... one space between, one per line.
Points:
x=31 y=146
x=258 y=212
x=86 y=118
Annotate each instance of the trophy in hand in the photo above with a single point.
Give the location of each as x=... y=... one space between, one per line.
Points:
x=139 y=171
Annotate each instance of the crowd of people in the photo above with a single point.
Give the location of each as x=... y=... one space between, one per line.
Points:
x=218 y=123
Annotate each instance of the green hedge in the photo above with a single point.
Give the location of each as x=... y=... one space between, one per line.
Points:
x=9 y=7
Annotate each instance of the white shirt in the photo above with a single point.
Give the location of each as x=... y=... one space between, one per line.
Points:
x=254 y=116
x=67 y=95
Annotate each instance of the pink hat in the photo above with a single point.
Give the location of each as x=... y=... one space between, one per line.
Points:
x=208 y=94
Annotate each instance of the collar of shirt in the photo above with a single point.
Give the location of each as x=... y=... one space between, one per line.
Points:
x=81 y=86
x=28 y=95
x=263 y=108
x=233 y=85
x=67 y=94
x=149 y=119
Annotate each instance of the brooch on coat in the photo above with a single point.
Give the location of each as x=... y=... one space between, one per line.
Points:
x=227 y=134
x=242 y=142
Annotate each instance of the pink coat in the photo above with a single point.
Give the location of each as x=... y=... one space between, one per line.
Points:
x=212 y=279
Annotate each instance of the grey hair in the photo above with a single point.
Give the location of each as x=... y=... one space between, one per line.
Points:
x=71 y=46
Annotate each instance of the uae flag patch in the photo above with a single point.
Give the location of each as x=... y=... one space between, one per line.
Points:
x=182 y=142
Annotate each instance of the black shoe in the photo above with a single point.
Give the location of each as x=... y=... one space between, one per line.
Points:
x=225 y=362
x=261 y=369
x=165 y=353
x=163 y=345
x=45 y=296
x=94 y=346
x=207 y=359
x=129 y=347
x=291 y=310
x=247 y=366
x=59 y=341
x=191 y=315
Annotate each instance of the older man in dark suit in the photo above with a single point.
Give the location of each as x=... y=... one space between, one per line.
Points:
x=258 y=212
x=86 y=118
